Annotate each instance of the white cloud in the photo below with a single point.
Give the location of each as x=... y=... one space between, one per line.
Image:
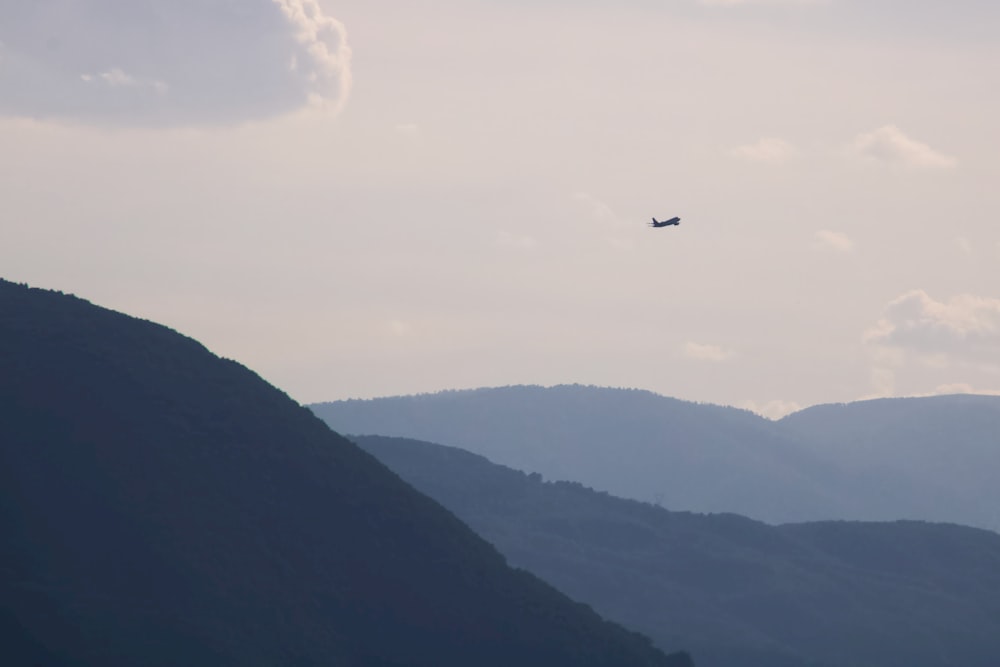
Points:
x=963 y=388
x=775 y=409
x=702 y=352
x=964 y=329
x=768 y=150
x=835 y=240
x=183 y=62
x=890 y=145
x=324 y=40
x=117 y=77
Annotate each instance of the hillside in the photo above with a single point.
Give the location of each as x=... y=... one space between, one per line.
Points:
x=160 y=506
x=631 y=443
x=925 y=459
x=942 y=453
x=739 y=592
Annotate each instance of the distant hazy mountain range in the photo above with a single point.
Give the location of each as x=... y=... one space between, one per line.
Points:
x=735 y=591
x=935 y=459
x=162 y=507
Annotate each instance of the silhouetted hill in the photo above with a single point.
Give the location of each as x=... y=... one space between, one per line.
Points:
x=933 y=460
x=935 y=457
x=739 y=592
x=162 y=506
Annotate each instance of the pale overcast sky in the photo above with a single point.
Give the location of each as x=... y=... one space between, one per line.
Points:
x=376 y=197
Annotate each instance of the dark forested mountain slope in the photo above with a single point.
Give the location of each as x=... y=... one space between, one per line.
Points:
x=932 y=459
x=739 y=592
x=162 y=506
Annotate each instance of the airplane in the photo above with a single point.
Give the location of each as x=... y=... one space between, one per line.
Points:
x=665 y=223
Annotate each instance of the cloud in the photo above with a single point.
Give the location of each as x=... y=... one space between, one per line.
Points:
x=835 y=240
x=598 y=210
x=890 y=145
x=883 y=381
x=775 y=409
x=768 y=150
x=963 y=388
x=614 y=229
x=965 y=329
x=182 y=62
x=117 y=77
x=703 y=352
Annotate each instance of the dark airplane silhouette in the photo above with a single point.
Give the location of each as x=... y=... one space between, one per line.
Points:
x=665 y=223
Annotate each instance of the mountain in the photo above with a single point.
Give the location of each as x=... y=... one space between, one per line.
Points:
x=739 y=592
x=161 y=506
x=935 y=457
x=925 y=459
x=631 y=443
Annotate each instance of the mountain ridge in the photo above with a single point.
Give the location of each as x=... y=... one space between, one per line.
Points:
x=710 y=458
x=740 y=591
x=162 y=506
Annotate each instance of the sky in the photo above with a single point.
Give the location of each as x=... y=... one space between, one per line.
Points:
x=377 y=197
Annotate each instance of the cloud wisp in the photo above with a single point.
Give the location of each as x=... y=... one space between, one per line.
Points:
x=834 y=240
x=184 y=62
x=775 y=409
x=768 y=150
x=964 y=329
x=890 y=145
x=703 y=352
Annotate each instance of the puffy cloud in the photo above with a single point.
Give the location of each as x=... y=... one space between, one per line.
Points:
x=966 y=328
x=890 y=145
x=768 y=150
x=835 y=240
x=702 y=352
x=146 y=62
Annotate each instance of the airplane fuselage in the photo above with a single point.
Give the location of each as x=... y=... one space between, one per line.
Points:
x=665 y=223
